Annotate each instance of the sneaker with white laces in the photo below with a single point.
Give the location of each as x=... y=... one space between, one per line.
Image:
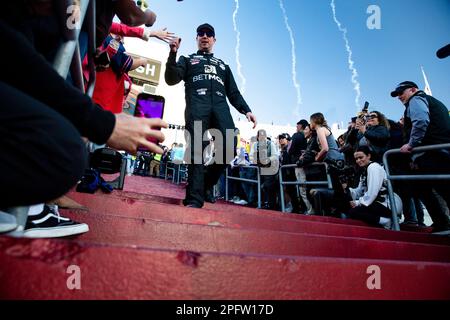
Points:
x=7 y=222
x=50 y=224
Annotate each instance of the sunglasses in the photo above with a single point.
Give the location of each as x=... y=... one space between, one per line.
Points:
x=372 y=116
x=209 y=34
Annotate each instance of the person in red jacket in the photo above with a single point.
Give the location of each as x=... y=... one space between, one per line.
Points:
x=109 y=90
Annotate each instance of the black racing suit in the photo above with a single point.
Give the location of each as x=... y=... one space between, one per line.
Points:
x=208 y=83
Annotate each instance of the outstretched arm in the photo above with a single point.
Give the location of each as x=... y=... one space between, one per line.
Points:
x=175 y=72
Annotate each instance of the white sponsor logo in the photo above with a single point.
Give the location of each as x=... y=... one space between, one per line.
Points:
x=222 y=67
x=202 y=77
x=210 y=69
x=220 y=94
x=202 y=92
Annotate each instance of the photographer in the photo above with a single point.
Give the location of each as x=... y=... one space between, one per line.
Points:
x=370 y=202
x=374 y=132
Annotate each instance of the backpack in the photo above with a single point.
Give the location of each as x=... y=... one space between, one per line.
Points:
x=92 y=181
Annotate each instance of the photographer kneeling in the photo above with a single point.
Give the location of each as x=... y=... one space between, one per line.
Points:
x=370 y=199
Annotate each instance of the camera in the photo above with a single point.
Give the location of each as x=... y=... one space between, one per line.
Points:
x=363 y=113
x=344 y=173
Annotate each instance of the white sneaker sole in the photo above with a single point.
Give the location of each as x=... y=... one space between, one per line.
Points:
x=442 y=233
x=56 y=232
x=7 y=227
x=8 y=222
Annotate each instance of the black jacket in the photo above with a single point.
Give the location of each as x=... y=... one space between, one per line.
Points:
x=377 y=138
x=438 y=130
x=208 y=81
x=310 y=153
x=298 y=144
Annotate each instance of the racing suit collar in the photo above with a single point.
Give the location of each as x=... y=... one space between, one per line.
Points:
x=203 y=53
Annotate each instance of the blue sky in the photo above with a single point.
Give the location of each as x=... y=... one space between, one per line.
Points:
x=411 y=33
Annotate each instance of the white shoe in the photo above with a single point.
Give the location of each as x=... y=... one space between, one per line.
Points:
x=7 y=222
x=241 y=202
x=235 y=198
x=288 y=208
x=386 y=223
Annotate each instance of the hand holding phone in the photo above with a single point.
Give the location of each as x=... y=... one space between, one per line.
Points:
x=131 y=133
x=149 y=106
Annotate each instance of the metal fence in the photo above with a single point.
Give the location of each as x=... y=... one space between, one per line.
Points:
x=298 y=183
x=257 y=181
x=412 y=177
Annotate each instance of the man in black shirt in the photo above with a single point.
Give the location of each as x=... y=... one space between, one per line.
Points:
x=298 y=143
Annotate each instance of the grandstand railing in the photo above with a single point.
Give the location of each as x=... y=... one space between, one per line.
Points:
x=257 y=181
x=298 y=183
x=68 y=54
x=172 y=166
x=424 y=177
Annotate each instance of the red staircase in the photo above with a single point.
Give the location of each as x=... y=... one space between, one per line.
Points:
x=143 y=244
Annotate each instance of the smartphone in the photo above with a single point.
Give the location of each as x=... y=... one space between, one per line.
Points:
x=149 y=106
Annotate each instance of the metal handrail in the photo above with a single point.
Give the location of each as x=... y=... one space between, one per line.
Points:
x=391 y=177
x=68 y=54
x=298 y=183
x=257 y=181
x=173 y=168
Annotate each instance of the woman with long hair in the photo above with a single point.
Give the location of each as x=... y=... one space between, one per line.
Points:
x=329 y=150
x=375 y=134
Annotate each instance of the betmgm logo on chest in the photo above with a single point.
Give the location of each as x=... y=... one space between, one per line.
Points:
x=210 y=69
x=210 y=74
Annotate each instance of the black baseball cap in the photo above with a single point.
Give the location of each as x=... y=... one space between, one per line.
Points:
x=208 y=27
x=402 y=87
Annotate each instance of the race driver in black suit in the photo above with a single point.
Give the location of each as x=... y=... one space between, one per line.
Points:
x=208 y=83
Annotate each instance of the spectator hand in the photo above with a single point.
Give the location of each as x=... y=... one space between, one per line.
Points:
x=251 y=117
x=406 y=149
x=163 y=35
x=175 y=44
x=353 y=204
x=130 y=133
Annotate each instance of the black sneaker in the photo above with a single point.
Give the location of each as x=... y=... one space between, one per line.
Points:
x=192 y=205
x=49 y=224
x=209 y=197
x=443 y=230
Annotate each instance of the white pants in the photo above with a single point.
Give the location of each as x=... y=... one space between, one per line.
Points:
x=301 y=177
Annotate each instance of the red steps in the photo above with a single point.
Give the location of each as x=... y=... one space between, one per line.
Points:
x=115 y=272
x=159 y=209
x=143 y=244
x=204 y=238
